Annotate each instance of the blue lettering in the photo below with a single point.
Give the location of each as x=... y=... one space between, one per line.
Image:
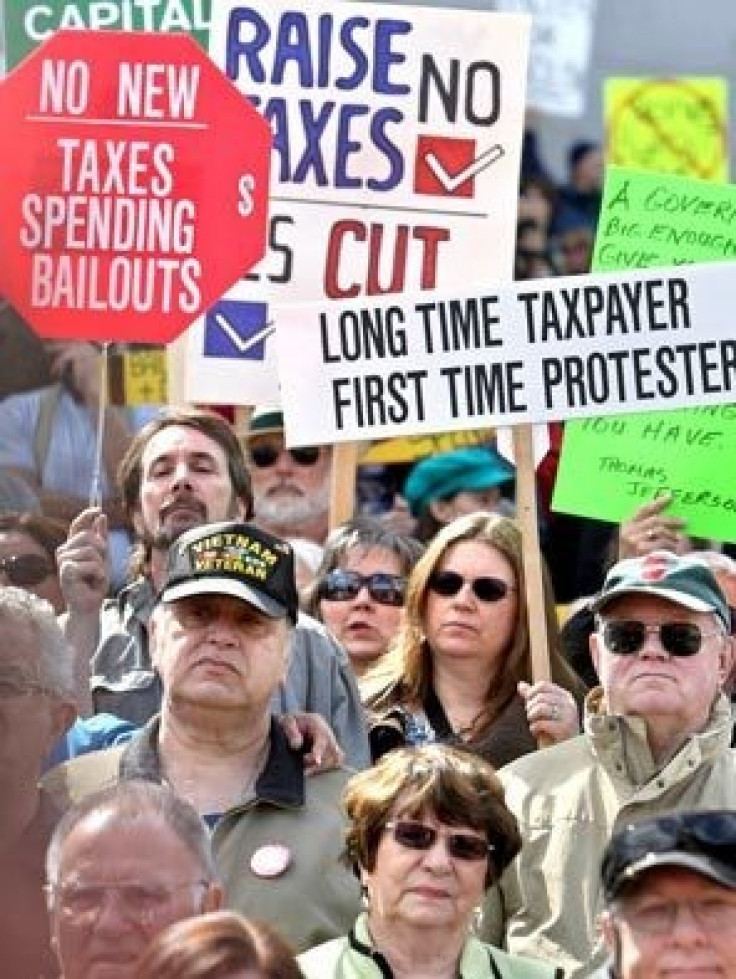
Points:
x=346 y=146
x=262 y=55
x=380 y=121
x=384 y=57
x=352 y=48
x=237 y=48
x=314 y=127
x=293 y=45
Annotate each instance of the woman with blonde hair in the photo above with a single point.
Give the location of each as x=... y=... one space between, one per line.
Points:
x=460 y=670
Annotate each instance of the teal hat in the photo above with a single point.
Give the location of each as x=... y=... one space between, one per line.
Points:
x=685 y=580
x=443 y=476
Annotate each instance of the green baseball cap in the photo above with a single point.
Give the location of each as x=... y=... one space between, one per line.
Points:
x=686 y=581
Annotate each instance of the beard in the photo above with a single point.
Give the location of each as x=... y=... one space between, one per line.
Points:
x=291 y=512
x=164 y=536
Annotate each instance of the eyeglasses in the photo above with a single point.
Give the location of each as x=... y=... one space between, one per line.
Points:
x=136 y=902
x=627 y=637
x=487 y=589
x=417 y=836
x=264 y=456
x=711 y=914
x=343 y=586
x=26 y=569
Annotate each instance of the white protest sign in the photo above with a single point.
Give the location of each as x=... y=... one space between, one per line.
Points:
x=397 y=135
x=525 y=352
x=561 y=41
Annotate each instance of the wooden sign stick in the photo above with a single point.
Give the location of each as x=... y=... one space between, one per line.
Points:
x=342 y=487
x=526 y=517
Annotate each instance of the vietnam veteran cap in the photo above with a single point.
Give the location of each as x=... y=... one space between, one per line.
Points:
x=235 y=559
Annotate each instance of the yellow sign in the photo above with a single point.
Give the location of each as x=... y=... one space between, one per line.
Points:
x=144 y=377
x=671 y=125
x=418 y=446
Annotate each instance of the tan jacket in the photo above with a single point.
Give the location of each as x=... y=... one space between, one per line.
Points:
x=569 y=799
x=315 y=898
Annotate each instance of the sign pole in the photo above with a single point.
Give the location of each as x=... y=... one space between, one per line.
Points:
x=526 y=516
x=342 y=486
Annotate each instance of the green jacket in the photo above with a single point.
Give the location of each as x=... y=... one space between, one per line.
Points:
x=569 y=799
x=315 y=898
x=353 y=957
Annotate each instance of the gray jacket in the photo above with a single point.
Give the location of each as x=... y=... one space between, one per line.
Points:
x=320 y=679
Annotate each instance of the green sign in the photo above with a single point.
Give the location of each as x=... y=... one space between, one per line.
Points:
x=29 y=22
x=611 y=466
x=649 y=219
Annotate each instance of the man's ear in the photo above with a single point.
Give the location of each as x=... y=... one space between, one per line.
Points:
x=214 y=898
x=154 y=632
x=608 y=929
x=442 y=510
x=726 y=663
x=594 y=645
x=136 y=519
x=62 y=714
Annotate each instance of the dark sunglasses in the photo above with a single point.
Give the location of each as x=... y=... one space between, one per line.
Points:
x=710 y=833
x=417 y=836
x=263 y=456
x=26 y=569
x=487 y=589
x=627 y=637
x=343 y=586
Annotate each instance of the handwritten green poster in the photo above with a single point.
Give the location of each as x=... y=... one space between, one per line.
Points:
x=610 y=466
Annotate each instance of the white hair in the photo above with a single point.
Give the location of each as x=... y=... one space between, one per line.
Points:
x=55 y=655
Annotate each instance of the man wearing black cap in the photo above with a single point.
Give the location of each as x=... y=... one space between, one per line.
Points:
x=220 y=639
x=183 y=470
x=670 y=890
x=657 y=736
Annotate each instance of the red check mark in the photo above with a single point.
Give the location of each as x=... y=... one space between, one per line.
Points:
x=452 y=181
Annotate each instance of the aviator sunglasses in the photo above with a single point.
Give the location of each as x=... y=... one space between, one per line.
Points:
x=487 y=589
x=627 y=637
x=343 y=586
x=417 y=836
x=263 y=456
x=26 y=569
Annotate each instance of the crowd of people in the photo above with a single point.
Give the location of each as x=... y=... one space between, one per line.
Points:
x=238 y=743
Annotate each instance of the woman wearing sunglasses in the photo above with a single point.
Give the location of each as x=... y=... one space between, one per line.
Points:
x=460 y=671
x=429 y=832
x=360 y=587
x=28 y=543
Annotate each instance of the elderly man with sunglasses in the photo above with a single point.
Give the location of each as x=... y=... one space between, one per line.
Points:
x=670 y=891
x=291 y=487
x=656 y=737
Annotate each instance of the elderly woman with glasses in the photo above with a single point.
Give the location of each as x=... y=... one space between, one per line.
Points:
x=360 y=587
x=429 y=832
x=460 y=670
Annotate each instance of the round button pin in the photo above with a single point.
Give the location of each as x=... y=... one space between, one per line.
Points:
x=270 y=860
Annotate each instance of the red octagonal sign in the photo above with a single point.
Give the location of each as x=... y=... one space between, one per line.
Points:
x=133 y=185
